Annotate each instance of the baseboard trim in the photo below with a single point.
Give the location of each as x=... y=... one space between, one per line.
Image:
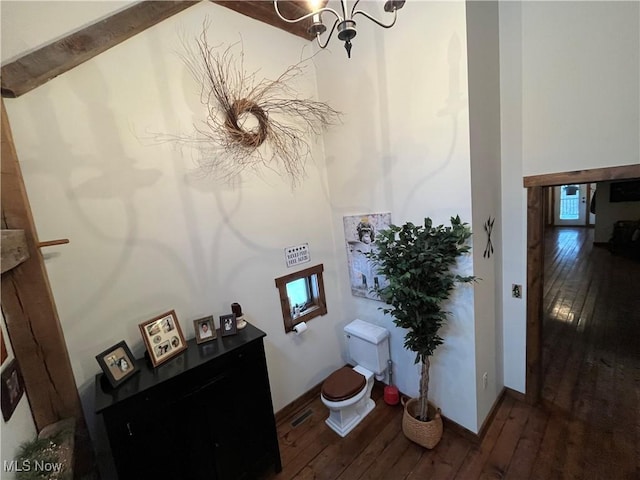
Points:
x=292 y=408
x=521 y=397
x=460 y=430
x=492 y=414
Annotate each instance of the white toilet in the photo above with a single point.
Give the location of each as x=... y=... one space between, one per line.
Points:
x=347 y=391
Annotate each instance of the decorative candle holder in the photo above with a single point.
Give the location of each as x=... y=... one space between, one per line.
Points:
x=237 y=309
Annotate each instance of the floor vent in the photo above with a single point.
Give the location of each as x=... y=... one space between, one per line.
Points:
x=301 y=418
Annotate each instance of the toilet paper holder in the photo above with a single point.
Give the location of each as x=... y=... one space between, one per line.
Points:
x=299 y=328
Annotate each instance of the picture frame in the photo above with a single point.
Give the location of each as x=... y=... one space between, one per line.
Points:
x=228 y=325
x=12 y=389
x=359 y=234
x=163 y=337
x=205 y=329
x=117 y=363
x=628 y=191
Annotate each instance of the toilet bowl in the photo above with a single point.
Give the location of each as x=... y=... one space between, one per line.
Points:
x=347 y=395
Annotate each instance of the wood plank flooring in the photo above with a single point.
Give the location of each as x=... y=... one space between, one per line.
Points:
x=587 y=427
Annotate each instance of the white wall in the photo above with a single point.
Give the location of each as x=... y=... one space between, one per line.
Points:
x=484 y=120
x=20 y=428
x=146 y=235
x=581 y=71
x=404 y=148
x=569 y=75
x=514 y=238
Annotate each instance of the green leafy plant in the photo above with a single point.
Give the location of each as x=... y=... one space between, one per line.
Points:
x=417 y=262
x=45 y=458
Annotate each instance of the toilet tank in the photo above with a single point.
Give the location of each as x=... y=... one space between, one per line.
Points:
x=368 y=345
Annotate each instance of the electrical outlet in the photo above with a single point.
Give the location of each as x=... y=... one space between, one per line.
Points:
x=485 y=380
x=516 y=290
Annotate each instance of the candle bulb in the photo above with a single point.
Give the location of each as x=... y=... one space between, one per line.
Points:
x=314 y=6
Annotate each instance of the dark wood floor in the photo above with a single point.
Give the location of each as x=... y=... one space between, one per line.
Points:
x=587 y=428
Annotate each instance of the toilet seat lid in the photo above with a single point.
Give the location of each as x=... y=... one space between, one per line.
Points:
x=343 y=384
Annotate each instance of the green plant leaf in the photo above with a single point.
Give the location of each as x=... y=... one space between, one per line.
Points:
x=417 y=262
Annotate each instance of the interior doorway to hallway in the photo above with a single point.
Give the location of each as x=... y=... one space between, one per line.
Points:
x=536 y=190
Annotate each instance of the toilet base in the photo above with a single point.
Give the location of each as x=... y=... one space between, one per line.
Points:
x=346 y=419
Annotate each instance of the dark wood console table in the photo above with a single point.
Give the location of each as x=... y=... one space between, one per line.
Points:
x=205 y=414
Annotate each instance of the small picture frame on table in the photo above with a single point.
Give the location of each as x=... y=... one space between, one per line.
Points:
x=117 y=363
x=12 y=389
x=205 y=329
x=228 y=325
x=163 y=337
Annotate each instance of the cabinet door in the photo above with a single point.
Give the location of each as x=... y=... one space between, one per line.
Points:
x=214 y=422
x=248 y=442
x=173 y=439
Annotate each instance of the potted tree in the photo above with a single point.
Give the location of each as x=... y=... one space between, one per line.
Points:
x=417 y=261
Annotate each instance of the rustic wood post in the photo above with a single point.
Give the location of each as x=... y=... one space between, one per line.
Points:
x=30 y=314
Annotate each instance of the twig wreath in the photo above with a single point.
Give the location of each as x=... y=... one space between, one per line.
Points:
x=245 y=115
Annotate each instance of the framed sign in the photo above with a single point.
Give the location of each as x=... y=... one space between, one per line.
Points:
x=117 y=363
x=163 y=337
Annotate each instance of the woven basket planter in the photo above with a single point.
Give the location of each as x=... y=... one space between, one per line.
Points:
x=425 y=434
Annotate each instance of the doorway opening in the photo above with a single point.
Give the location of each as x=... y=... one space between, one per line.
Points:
x=537 y=188
x=571 y=204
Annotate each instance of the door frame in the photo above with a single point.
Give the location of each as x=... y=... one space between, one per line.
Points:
x=536 y=186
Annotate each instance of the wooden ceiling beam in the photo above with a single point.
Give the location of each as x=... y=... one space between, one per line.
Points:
x=264 y=11
x=38 y=67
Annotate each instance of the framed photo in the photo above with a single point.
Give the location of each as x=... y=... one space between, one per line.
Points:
x=12 y=389
x=360 y=232
x=228 y=325
x=205 y=329
x=163 y=337
x=117 y=363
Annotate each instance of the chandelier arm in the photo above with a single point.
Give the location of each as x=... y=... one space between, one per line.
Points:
x=304 y=17
x=376 y=21
x=328 y=36
x=353 y=9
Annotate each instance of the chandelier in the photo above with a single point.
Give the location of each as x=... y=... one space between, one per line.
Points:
x=344 y=23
